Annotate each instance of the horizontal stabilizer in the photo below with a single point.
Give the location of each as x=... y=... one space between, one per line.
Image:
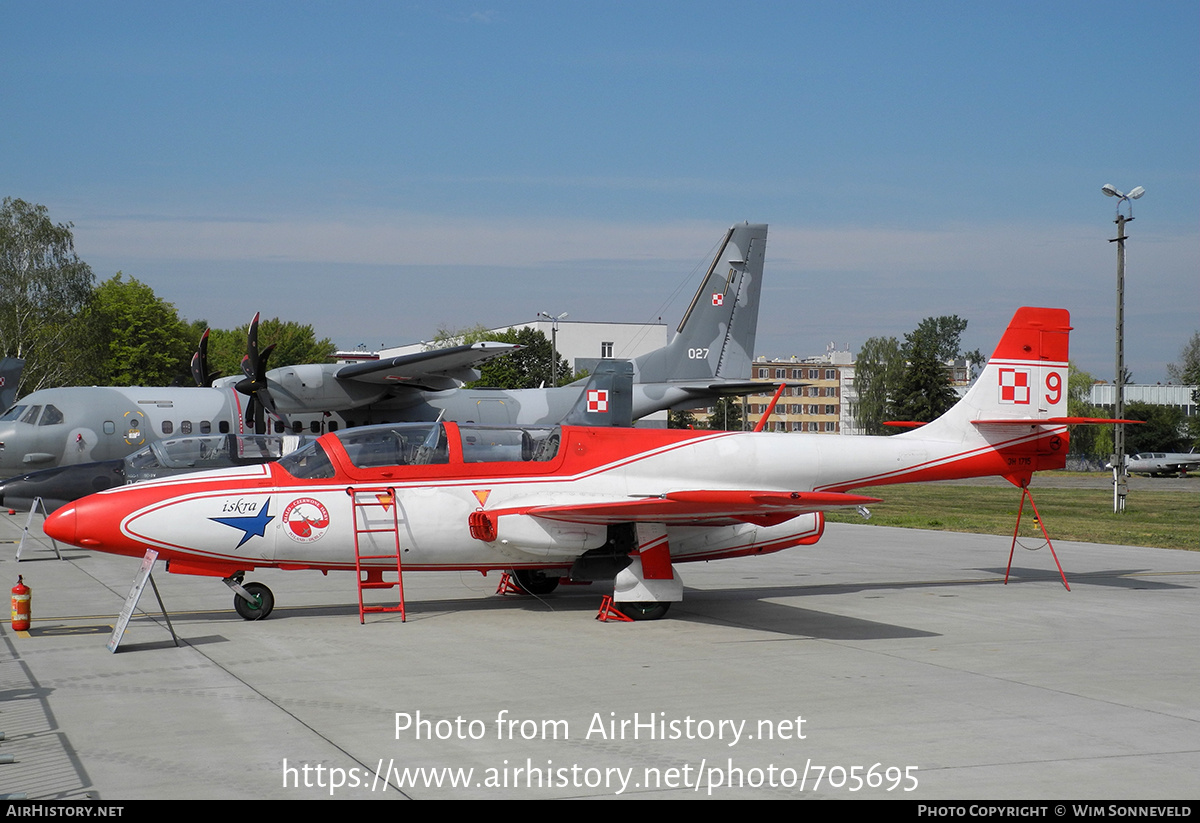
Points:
x=703 y=507
x=438 y=369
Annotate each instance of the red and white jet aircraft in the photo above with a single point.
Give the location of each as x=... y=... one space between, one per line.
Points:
x=590 y=503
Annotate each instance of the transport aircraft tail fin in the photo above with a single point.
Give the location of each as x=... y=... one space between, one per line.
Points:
x=715 y=339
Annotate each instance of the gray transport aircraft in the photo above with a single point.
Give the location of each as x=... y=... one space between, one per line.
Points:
x=709 y=357
x=1162 y=464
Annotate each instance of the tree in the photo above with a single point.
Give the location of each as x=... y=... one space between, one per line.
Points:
x=44 y=289
x=940 y=336
x=1187 y=370
x=876 y=373
x=726 y=415
x=294 y=343
x=1094 y=442
x=1162 y=430
x=923 y=392
x=681 y=420
x=526 y=368
x=142 y=340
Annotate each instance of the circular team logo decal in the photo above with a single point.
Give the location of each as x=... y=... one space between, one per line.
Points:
x=305 y=520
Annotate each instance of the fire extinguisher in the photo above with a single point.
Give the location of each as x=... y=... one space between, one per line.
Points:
x=21 y=596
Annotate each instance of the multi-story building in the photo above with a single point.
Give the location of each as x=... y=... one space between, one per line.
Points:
x=814 y=401
x=816 y=407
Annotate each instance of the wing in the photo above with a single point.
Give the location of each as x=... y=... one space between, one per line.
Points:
x=699 y=508
x=434 y=370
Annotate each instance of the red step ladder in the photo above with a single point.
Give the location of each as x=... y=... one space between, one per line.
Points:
x=365 y=499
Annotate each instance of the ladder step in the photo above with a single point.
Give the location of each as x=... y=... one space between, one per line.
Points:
x=375 y=574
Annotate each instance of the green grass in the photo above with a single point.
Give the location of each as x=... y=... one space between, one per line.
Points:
x=1168 y=520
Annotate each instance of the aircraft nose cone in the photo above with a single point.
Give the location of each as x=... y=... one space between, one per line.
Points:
x=60 y=525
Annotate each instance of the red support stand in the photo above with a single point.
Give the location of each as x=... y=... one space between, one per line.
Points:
x=1026 y=493
x=507 y=586
x=609 y=612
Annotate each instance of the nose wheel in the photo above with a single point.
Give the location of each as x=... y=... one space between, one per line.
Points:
x=252 y=601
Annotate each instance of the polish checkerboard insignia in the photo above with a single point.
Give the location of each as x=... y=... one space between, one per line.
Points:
x=597 y=400
x=718 y=299
x=1014 y=386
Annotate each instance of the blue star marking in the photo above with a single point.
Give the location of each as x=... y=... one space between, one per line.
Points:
x=254 y=525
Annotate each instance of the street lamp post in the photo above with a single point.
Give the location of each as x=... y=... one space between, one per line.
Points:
x=1120 y=483
x=553 y=344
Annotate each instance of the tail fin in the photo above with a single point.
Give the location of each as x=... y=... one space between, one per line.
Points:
x=10 y=380
x=1023 y=383
x=607 y=399
x=715 y=339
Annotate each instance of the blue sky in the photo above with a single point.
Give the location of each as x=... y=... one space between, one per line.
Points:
x=383 y=169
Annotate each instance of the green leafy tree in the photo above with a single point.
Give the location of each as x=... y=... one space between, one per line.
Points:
x=681 y=420
x=1162 y=430
x=923 y=392
x=142 y=340
x=877 y=373
x=526 y=368
x=294 y=343
x=726 y=415
x=1187 y=370
x=1094 y=442
x=44 y=290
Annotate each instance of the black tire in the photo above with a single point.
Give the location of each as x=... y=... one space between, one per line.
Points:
x=255 y=611
x=535 y=581
x=644 y=610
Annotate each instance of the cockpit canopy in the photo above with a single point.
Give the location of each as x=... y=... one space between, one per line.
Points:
x=178 y=454
x=426 y=444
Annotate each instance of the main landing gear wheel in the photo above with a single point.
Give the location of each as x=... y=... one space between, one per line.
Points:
x=535 y=581
x=258 y=610
x=645 y=610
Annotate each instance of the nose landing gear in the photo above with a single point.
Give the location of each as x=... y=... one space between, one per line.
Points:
x=253 y=601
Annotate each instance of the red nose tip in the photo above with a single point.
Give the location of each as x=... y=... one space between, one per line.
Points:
x=60 y=525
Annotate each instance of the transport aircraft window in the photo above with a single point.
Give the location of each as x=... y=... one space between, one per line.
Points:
x=206 y=427
x=31 y=416
x=167 y=427
x=314 y=427
x=333 y=425
x=185 y=427
x=51 y=416
x=110 y=427
x=308 y=463
x=13 y=413
x=223 y=426
x=483 y=444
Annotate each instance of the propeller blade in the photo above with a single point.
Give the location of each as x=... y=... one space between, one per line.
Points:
x=255 y=385
x=200 y=373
